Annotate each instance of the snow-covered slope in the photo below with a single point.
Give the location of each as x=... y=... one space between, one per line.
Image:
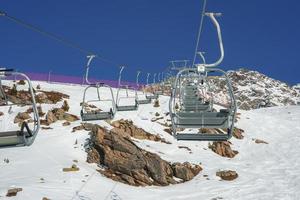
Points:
x=252 y=88
x=266 y=171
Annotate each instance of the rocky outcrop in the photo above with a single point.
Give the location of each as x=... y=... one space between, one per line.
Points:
x=125 y=162
x=223 y=149
x=127 y=128
x=227 y=175
x=58 y=114
x=50 y=97
x=23 y=96
x=253 y=89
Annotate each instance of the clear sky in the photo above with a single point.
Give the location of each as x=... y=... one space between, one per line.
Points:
x=147 y=34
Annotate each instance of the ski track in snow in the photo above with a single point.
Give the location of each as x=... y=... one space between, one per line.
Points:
x=266 y=171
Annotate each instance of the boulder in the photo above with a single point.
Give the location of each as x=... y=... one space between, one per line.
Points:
x=22 y=117
x=13 y=192
x=125 y=162
x=223 y=149
x=185 y=171
x=227 y=175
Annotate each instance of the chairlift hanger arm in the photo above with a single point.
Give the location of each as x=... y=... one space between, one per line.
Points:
x=212 y=16
x=137 y=78
x=90 y=58
x=201 y=54
x=120 y=75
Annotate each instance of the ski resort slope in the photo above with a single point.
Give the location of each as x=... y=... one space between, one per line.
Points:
x=266 y=171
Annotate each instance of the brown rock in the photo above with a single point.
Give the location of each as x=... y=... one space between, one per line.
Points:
x=127 y=128
x=223 y=149
x=50 y=117
x=40 y=111
x=185 y=171
x=83 y=126
x=227 y=175
x=168 y=130
x=13 y=192
x=127 y=163
x=22 y=117
x=156 y=103
x=93 y=156
x=66 y=123
x=65 y=106
x=1 y=113
x=238 y=133
x=258 y=141
x=21 y=82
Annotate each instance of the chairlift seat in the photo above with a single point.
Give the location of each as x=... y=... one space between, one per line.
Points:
x=127 y=107
x=144 y=101
x=97 y=116
x=202 y=119
x=154 y=96
x=202 y=137
x=12 y=138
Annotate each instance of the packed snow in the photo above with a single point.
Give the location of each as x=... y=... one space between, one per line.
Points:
x=266 y=171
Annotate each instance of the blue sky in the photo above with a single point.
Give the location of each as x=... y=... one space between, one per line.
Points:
x=146 y=34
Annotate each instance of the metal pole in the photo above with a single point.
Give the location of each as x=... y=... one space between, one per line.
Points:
x=49 y=74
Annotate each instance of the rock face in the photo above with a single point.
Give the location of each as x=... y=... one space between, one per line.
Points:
x=223 y=149
x=127 y=163
x=227 y=175
x=252 y=89
x=127 y=128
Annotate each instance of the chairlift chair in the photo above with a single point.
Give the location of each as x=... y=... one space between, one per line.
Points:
x=150 y=95
x=25 y=136
x=223 y=119
x=125 y=88
x=98 y=114
x=159 y=84
x=141 y=95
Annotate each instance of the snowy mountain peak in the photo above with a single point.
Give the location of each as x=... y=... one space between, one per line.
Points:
x=254 y=89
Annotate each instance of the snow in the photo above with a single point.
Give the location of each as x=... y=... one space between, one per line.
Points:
x=266 y=171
